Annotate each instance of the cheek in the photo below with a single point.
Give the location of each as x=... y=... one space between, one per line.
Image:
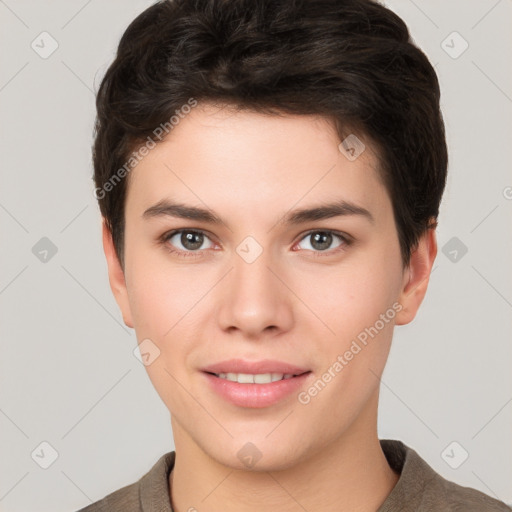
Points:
x=152 y=303
x=162 y=300
x=356 y=302
x=350 y=297
x=160 y=294
x=168 y=309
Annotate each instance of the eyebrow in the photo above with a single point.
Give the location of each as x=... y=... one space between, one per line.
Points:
x=166 y=208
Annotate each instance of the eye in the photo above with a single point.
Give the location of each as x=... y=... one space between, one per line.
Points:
x=190 y=240
x=321 y=241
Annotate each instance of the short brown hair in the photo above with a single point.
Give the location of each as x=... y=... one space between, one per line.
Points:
x=351 y=61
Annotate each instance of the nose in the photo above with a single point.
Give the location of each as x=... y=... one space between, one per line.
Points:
x=255 y=300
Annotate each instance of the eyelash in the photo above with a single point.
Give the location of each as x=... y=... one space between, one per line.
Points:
x=346 y=242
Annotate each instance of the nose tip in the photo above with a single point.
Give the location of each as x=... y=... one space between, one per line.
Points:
x=254 y=301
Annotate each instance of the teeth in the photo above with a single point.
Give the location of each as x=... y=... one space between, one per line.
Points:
x=259 y=378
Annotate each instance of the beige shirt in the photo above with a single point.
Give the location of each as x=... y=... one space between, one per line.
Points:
x=419 y=489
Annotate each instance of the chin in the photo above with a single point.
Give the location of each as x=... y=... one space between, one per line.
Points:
x=255 y=456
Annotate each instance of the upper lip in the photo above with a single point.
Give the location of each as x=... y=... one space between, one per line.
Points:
x=254 y=367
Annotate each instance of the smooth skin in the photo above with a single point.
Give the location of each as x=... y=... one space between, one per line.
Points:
x=298 y=302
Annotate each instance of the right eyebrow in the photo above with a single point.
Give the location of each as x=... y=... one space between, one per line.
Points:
x=181 y=211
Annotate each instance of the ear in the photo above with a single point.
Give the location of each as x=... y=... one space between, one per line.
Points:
x=416 y=276
x=116 y=276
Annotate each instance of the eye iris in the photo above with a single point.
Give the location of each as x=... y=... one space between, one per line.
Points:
x=322 y=238
x=187 y=240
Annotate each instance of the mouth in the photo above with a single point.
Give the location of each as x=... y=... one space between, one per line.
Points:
x=258 y=386
x=256 y=378
x=244 y=368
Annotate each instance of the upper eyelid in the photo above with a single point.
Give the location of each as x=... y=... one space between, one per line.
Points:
x=332 y=231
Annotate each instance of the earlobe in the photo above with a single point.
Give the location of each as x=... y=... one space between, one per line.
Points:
x=116 y=276
x=417 y=276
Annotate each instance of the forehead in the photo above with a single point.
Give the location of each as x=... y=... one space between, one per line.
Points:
x=244 y=160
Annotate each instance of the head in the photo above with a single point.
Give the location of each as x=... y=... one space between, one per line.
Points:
x=252 y=111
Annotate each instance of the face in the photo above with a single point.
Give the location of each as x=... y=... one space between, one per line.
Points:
x=259 y=283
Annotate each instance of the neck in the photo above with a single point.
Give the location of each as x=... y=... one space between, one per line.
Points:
x=349 y=474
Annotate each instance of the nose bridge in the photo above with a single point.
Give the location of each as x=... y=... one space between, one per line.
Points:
x=255 y=298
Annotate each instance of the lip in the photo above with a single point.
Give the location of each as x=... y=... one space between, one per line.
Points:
x=262 y=366
x=255 y=395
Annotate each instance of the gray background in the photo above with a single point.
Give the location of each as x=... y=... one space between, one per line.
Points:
x=68 y=374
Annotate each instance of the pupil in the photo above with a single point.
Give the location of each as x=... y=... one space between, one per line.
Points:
x=323 y=239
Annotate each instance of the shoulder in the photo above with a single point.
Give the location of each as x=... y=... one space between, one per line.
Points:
x=150 y=490
x=457 y=498
x=123 y=499
x=422 y=489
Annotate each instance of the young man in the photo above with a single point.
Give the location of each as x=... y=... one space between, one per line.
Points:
x=270 y=174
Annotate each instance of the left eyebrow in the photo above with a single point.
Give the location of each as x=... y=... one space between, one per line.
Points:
x=326 y=211
x=295 y=217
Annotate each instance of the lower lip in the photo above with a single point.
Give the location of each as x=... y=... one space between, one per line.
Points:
x=255 y=395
